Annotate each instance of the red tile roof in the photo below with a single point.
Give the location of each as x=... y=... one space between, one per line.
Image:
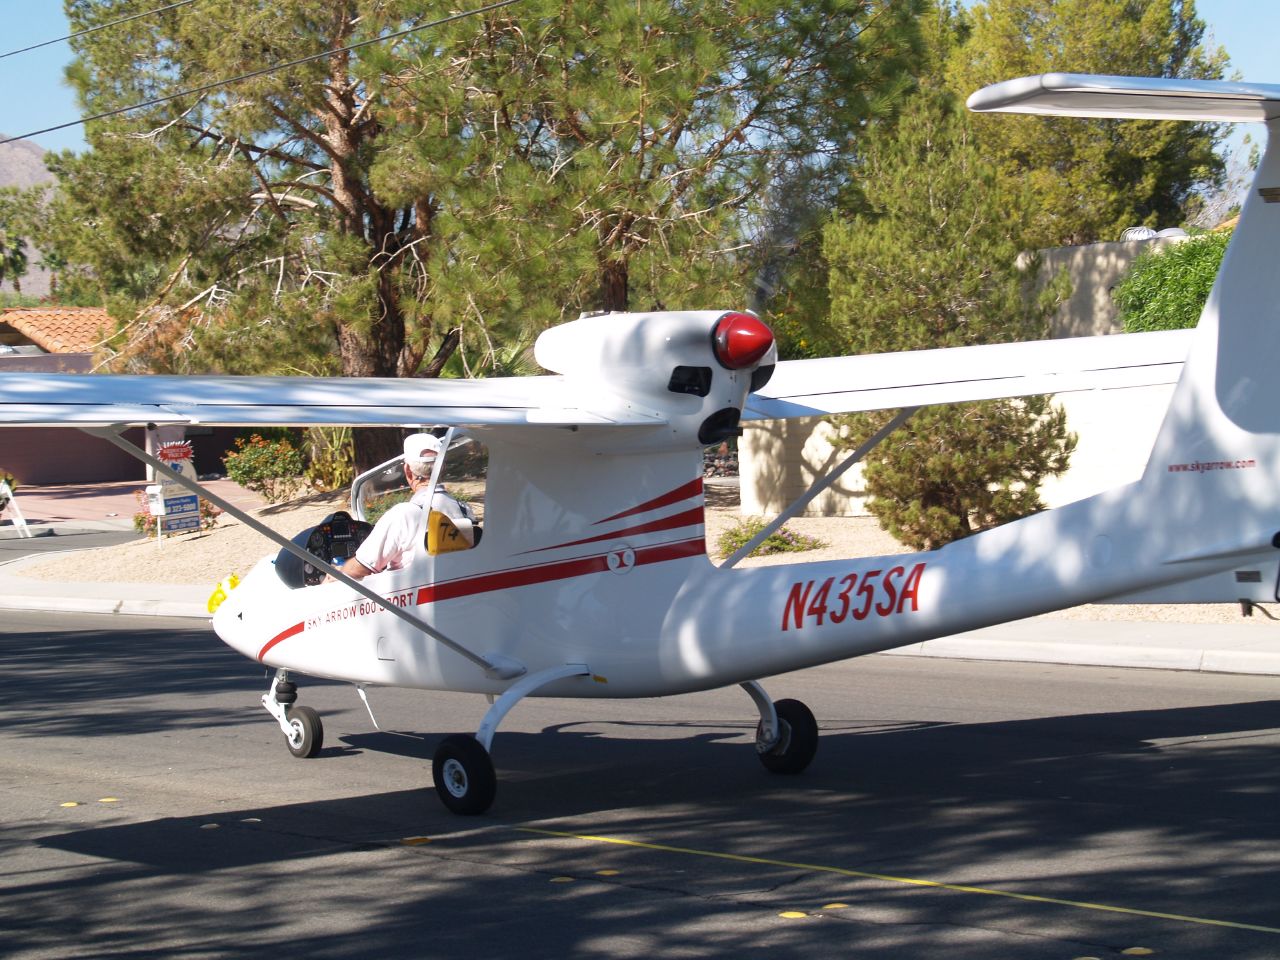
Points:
x=60 y=329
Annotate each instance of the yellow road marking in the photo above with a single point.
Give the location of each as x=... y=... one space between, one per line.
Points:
x=70 y=803
x=108 y=799
x=414 y=841
x=792 y=914
x=909 y=881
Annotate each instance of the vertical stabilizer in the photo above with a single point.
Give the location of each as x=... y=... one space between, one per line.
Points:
x=1211 y=485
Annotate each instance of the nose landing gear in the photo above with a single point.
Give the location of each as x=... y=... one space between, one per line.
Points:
x=303 y=731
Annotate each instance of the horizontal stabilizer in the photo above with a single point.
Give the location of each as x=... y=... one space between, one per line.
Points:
x=801 y=388
x=1136 y=98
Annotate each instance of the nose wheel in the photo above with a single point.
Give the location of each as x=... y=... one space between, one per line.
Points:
x=303 y=731
x=305 y=736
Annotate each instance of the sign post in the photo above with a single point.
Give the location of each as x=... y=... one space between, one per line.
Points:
x=10 y=500
x=179 y=508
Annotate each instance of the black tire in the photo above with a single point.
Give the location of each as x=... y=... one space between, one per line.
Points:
x=798 y=740
x=463 y=775
x=307 y=735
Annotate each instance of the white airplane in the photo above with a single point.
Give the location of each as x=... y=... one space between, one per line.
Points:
x=591 y=578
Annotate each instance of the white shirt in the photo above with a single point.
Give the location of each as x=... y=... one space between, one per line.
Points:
x=402 y=529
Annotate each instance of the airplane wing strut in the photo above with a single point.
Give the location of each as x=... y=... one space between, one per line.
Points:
x=818 y=486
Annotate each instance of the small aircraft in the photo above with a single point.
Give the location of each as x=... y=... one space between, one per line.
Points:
x=592 y=579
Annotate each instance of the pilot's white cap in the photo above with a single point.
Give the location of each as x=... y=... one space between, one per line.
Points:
x=420 y=447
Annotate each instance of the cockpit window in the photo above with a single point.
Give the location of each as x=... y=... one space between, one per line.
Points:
x=462 y=475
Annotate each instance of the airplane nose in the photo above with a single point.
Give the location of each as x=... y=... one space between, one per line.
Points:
x=740 y=340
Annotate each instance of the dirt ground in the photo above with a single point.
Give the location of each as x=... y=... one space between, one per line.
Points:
x=207 y=557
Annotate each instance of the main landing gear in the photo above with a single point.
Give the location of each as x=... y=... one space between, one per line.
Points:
x=303 y=731
x=787 y=734
x=786 y=741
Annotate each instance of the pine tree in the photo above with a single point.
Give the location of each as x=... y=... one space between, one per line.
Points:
x=933 y=263
x=376 y=212
x=1093 y=178
x=13 y=244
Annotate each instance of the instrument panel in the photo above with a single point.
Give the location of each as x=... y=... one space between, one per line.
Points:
x=334 y=539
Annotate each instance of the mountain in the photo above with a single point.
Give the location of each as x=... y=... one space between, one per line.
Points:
x=22 y=165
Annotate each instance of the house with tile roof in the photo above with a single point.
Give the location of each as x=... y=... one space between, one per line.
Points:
x=62 y=330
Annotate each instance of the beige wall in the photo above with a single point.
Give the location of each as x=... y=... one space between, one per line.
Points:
x=1093 y=269
x=778 y=460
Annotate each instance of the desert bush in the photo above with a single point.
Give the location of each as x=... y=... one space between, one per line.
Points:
x=782 y=540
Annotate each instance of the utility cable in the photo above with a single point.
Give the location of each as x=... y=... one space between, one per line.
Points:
x=205 y=88
x=101 y=26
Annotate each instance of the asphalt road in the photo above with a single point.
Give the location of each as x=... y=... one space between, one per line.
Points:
x=958 y=810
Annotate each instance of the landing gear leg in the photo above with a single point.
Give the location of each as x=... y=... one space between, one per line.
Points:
x=303 y=731
x=462 y=768
x=787 y=735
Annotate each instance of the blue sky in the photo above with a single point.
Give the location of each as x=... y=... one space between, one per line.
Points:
x=35 y=95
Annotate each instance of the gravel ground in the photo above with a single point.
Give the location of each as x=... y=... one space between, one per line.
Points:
x=207 y=557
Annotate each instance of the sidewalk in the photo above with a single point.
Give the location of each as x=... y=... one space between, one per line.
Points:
x=1237 y=647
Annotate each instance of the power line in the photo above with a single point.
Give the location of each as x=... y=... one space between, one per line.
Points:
x=101 y=26
x=266 y=70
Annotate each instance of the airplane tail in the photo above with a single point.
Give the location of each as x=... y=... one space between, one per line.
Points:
x=1215 y=464
x=1210 y=494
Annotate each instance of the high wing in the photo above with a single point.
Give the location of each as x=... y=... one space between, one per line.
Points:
x=806 y=388
x=798 y=388
x=104 y=400
x=1137 y=98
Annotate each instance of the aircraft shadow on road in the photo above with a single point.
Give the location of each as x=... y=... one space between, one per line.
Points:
x=918 y=799
x=1150 y=768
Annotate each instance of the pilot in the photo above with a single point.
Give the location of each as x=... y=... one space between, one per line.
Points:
x=400 y=530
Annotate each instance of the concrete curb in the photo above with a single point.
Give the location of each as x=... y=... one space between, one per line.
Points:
x=1096 y=655
x=105 y=605
x=63 y=528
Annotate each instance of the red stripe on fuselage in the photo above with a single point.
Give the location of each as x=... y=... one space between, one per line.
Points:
x=685 y=519
x=684 y=492
x=527 y=576
x=282 y=635
x=548 y=572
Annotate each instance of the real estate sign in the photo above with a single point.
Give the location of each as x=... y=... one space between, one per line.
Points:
x=181 y=509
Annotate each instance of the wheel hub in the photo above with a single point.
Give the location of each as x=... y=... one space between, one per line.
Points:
x=455 y=778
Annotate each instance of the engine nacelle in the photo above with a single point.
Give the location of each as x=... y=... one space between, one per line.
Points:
x=693 y=369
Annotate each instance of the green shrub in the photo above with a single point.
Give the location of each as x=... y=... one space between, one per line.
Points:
x=1166 y=289
x=782 y=540
x=272 y=468
x=377 y=505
